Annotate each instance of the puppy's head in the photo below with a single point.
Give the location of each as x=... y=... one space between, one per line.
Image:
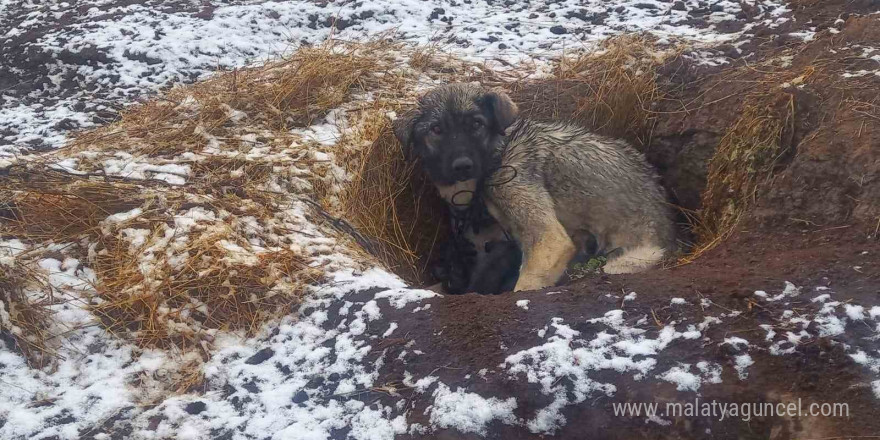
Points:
x=455 y=129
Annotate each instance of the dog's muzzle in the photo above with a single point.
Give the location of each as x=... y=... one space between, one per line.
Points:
x=463 y=168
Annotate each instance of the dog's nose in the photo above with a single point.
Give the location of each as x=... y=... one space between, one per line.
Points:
x=463 y=167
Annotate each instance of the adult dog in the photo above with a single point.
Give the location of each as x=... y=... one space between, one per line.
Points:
x=548 y=185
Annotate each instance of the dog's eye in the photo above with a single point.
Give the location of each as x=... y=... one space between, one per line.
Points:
x=476 y=124
x=436 y=129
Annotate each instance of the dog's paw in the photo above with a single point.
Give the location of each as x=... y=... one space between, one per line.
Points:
x=636 y=260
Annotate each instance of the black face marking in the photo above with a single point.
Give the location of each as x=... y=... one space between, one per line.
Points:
x=455 y=131
x=453 y=145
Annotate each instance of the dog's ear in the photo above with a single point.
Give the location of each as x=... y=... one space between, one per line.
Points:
x=502 y=111
x=403 y=128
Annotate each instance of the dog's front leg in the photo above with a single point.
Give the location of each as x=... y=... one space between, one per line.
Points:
x=545 y=260
x=528 y=212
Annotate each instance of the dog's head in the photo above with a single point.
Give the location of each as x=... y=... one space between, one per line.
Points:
x=455 y=130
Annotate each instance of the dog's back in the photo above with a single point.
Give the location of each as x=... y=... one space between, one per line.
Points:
x=599 y=186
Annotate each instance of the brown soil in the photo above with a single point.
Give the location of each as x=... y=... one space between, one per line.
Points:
x=466 y=333
x=826 y=173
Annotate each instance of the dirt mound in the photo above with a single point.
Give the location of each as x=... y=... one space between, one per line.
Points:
x=467 y=333
x=823 y=169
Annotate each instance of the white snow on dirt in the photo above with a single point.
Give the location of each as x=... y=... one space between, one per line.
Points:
x=303 y=377
x=469 y=412
x=567 y=360
x=254 y=379
x=869 y=57
x=102 y=58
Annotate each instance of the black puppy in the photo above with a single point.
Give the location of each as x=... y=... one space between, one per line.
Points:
x=463 y=269
x=498 y=268
x=454 y=266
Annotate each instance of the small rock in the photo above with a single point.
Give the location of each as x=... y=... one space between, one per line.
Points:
x=315 y=382
x=106 y=115
x=729 y=349
x=729 y=26
x=66 y=124
x=716 y=8
x=195 y=407
x=300 y=397
x=284 y=369
x=620 y=9
x=251 y=387
x=559 y=30
x=260 y=357
x=582 y=14
x=502 y=46
x=436 y=13
x=647 y=6
x=154 y=421
x=730 y=51
x=679 y=6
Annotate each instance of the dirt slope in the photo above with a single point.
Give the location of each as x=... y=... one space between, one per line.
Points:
x=466 y=333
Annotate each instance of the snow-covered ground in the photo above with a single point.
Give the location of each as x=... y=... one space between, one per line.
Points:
x=312 y=374
x=65 y=66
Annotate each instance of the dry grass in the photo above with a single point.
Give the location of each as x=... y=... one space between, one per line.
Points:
x=742 y=162
x=173 y=287
x=291 y=93
x=622 y=81
x=25 y=320
x=171 y=304
x=745 y=159
x=236 y=185
x=47 y=205
x=611 y=89
x=391 y=202
x=426 y=58
x=178 y=305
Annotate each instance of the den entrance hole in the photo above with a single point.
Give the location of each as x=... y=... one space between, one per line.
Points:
x=396 y=209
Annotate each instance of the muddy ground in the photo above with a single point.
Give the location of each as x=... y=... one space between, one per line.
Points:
x=467 y=332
